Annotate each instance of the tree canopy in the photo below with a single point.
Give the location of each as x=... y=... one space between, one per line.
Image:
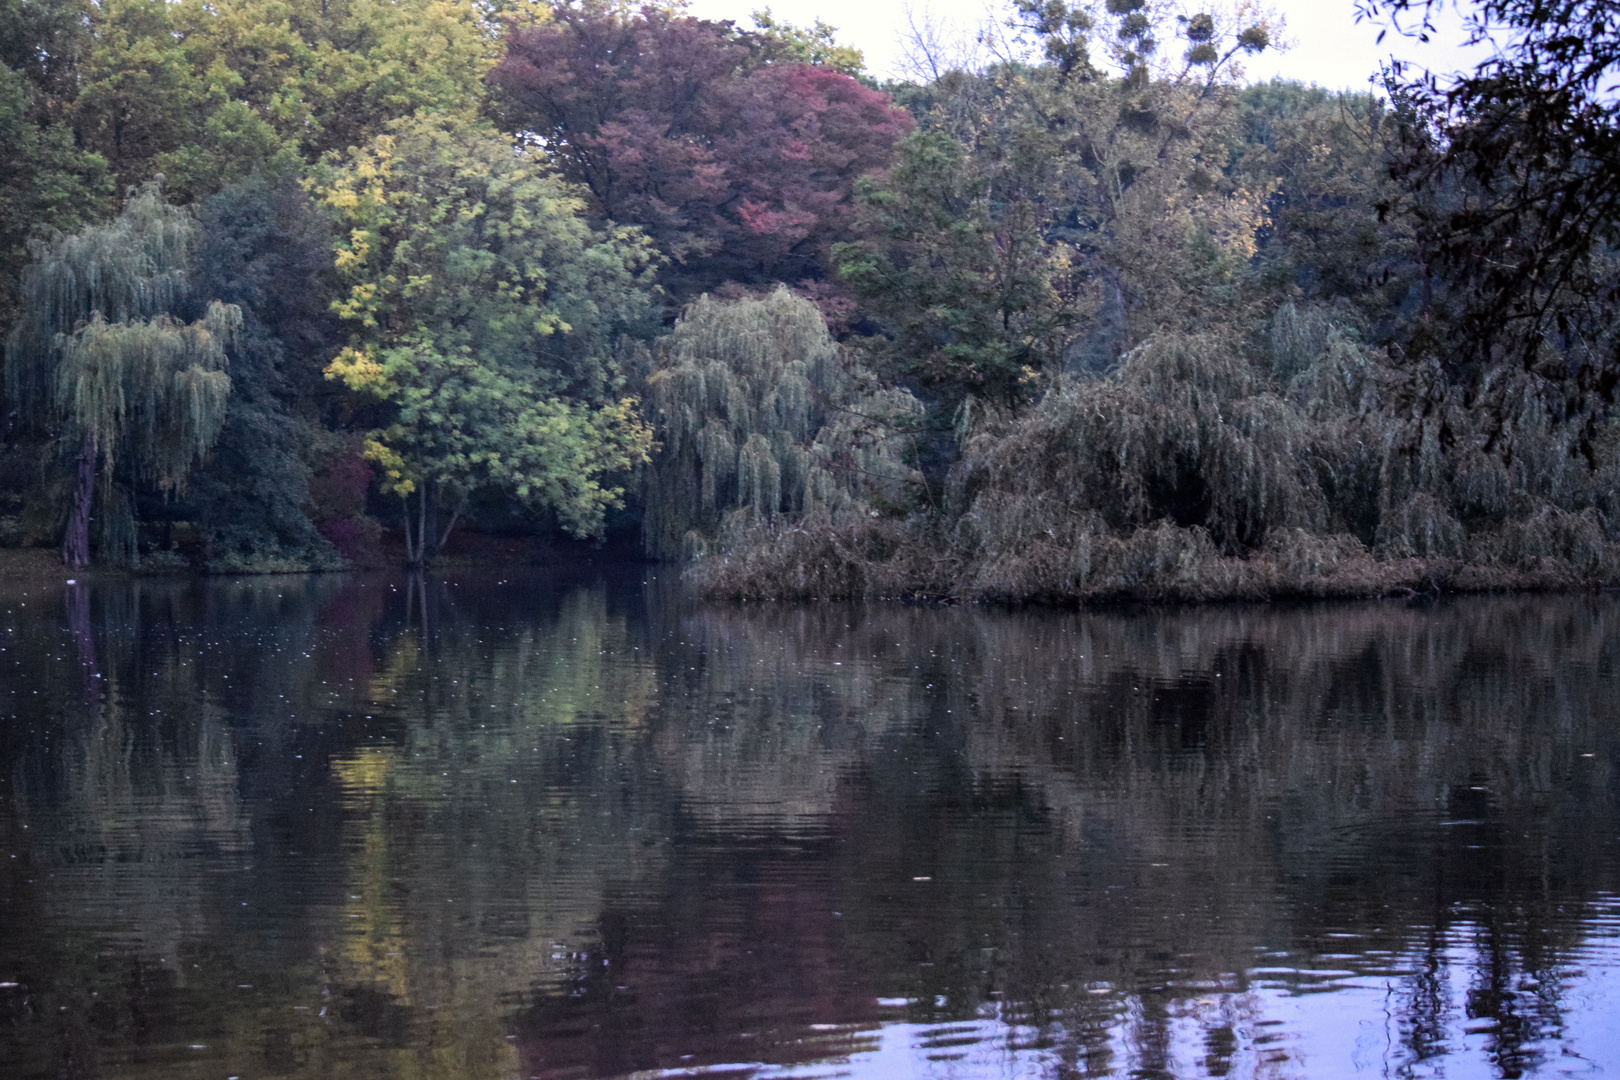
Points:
x=484 y=309
x=736 y=157
x=1081 y=313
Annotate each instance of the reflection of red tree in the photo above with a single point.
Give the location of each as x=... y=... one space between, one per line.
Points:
x=735 y=965
x=351 y=614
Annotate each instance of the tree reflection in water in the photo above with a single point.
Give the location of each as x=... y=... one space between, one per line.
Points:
x=485 y=827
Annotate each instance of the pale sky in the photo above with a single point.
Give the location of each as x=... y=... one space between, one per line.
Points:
x=1328 y=46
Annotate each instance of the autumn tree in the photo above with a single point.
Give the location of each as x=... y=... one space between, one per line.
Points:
x=483 y=310
x=739 y=166
x=96 y=98
x=205 y=92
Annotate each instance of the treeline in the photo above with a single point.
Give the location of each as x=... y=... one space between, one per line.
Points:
x=306 y=285
x=277 y=277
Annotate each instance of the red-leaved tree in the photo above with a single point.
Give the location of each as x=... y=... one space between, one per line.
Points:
x=739 y=167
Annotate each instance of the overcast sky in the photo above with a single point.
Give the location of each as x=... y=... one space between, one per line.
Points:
x=1328 y=46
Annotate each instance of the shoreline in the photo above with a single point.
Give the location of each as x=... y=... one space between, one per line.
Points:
x=466 y=551
x=1409 y=579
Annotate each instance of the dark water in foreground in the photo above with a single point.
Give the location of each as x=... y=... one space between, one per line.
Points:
x=352 y=827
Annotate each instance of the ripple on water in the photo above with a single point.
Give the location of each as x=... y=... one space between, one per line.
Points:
x=527 y=827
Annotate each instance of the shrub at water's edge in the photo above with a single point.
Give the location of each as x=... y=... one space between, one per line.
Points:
x=1206 y=468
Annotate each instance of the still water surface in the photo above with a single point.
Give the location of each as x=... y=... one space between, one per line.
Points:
x=532 y=827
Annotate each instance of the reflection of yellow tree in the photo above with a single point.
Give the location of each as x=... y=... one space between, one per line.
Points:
x=373 y=948
x=583 y=669
x=463 y=821
x=455 y=1031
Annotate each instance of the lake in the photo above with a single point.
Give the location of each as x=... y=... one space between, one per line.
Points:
x=582 y=825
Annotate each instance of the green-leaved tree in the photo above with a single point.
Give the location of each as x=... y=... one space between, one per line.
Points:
x=484 y=310
x=761 y=421
x=1063 y=213
x=101 y=358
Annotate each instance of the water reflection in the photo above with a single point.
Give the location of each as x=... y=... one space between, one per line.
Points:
x=494 y=826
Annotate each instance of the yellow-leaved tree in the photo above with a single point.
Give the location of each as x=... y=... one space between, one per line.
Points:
x=483 y=309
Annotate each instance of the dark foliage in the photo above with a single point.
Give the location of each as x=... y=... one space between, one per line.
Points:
x=45 y=178
x=1513 y=173
x=264 y=248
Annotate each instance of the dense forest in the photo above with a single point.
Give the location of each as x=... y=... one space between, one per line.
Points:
x=310 y=284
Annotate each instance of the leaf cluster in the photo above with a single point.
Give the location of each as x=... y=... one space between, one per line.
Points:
x=483 y=310
x=1512 y=174
x=736 y=152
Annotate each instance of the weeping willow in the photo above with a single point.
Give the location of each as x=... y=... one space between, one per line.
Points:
x=1301 y=463
x=134 y=267
x=1289 y=459
x=100 y=357
x=762 y=424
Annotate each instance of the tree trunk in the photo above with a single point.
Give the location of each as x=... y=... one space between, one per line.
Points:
x=78 y=612
x=421 y=526
x=76 y=544
x=410 y=551
x=445 y=539
x=430 y=525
